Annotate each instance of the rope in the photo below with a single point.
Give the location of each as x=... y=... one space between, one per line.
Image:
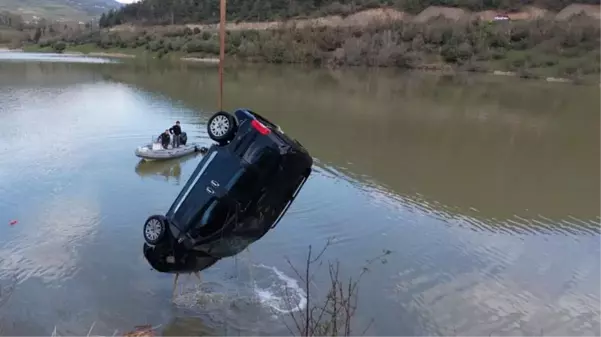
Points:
x=221 y=51
x=220 y=104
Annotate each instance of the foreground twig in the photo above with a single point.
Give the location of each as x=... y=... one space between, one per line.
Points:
x=139 y=331
x=334 y=315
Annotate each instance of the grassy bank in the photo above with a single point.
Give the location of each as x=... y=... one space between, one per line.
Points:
x=121 y=53
x=87 y=49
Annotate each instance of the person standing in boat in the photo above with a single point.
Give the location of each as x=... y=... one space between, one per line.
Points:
x=164 y=139
x=176 y=131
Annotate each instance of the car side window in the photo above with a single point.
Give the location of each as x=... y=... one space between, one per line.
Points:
x=253 y=153
x=263 y=158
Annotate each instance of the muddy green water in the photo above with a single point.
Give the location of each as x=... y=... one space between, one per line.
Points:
x=485 y=189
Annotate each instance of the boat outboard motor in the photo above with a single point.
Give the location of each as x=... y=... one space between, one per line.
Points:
x=183 y=138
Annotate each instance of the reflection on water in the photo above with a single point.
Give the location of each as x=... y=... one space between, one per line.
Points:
x=486 y=189
x=163 y=168
x=488 y=148
x=50 y=57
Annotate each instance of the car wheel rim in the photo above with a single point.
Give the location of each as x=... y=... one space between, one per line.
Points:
x=153 y=229
x=220 y=125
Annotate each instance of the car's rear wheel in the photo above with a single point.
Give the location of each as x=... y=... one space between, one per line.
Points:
x=222 y=127
x=155 y=228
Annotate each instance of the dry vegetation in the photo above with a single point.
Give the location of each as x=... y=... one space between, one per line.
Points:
x=330 y=313
x=138 y=331
x=579 y=9
x=387 y=15
x=531 y=48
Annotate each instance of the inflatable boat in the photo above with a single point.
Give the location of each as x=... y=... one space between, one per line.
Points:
x=155 y=151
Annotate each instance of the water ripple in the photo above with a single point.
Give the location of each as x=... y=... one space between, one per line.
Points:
x=504 y=287
x=70 y=177
x=47 y=239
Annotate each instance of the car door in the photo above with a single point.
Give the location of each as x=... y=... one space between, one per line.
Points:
x=209 y=181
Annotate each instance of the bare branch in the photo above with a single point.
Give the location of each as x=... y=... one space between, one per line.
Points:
x=328 y=243
x=292 y=313
x=92 y=327
x=334 y=314
x=307 y=317
x=371 y=322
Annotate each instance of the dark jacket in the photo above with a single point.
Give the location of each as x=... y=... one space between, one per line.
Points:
x=164 y=138
x=176 y=130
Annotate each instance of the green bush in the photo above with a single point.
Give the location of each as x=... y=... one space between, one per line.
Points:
x=59 y=46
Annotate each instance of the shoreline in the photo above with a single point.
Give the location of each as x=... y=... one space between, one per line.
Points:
x=122 y=54
x=10 y=50
x=529 y=50
x=442 y=69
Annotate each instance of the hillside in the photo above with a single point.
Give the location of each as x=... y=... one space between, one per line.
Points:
x=152 y=12
x=535 y=42
x=58 y=9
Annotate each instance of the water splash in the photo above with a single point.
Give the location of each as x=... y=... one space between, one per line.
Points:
x=278 y=295
x=274 y=291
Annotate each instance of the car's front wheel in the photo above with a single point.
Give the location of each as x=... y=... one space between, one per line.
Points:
x=155 y=228
x=221 y=127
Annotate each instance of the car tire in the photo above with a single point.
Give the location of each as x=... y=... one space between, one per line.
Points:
x=155 y=228
x=222 y=127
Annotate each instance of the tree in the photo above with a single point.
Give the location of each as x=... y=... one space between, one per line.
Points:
x=37 y=35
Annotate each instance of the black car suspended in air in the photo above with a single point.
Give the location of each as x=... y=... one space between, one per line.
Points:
x=240 y=190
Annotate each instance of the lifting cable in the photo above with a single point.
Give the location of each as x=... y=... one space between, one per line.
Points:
x=221 y=51
x=220 y=101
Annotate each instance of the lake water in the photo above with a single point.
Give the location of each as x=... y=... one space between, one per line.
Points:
x=486 y=190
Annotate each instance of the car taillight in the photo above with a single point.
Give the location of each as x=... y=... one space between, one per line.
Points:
x=260 y=127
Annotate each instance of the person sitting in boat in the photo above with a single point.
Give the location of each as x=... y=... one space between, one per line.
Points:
x=176 y=131
x=164 y=139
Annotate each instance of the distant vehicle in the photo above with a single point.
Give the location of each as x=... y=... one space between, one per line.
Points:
x=240 y=190
x=501 y=18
